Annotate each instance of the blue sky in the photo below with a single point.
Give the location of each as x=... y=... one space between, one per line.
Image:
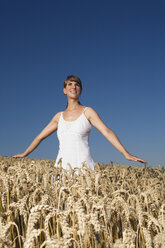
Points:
x=115 y=47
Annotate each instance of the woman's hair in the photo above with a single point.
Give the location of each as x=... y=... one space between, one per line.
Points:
x=73 y=78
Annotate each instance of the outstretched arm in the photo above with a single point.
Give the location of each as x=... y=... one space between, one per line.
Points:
x=48 y=130
x=95 y=120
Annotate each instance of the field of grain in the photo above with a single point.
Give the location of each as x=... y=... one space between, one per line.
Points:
x=113 y=206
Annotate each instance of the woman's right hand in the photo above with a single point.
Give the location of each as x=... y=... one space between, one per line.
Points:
x=20 y=155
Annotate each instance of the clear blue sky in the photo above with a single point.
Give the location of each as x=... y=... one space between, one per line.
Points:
x=115 y=47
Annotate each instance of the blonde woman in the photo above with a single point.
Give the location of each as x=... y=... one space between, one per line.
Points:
x=73 y=126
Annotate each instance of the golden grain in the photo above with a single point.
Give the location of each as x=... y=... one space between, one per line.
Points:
x=110 y=207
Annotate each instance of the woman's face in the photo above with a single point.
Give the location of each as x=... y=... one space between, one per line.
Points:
x=72 y=89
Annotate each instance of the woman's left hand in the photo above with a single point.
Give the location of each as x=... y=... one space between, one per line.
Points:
x=129 y=156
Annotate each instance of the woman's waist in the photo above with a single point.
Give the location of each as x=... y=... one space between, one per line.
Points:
x=77 y=147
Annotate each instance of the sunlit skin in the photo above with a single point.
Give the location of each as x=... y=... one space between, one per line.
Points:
x=72 y=112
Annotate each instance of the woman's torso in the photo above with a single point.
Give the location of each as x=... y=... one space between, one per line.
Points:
x=73 y=138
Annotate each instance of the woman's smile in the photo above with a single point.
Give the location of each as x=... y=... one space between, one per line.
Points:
x=73 y=91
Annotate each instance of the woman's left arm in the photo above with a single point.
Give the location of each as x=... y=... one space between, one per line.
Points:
x=95 y=120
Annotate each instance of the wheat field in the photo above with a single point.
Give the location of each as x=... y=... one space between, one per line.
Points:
x=113 y=206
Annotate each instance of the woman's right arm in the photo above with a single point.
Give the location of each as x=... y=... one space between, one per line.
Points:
x=48 y=130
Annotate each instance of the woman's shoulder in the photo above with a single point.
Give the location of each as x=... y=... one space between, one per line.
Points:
x=89 y=111
x=57 y=116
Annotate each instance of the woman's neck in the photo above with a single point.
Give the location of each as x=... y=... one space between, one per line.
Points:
x=72 y=104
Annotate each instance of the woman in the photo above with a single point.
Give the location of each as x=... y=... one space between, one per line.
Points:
x=73 y=127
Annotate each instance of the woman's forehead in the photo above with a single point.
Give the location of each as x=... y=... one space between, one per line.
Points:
x=71 y=81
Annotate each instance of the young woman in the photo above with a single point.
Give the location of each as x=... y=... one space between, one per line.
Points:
x=73 y=126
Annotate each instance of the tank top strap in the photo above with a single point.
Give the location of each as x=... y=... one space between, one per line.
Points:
x=61 y=115
x=84 y=109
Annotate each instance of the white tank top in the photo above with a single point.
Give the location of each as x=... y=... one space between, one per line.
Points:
x=73 y=142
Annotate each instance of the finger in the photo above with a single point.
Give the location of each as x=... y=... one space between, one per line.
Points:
x=142 y=161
